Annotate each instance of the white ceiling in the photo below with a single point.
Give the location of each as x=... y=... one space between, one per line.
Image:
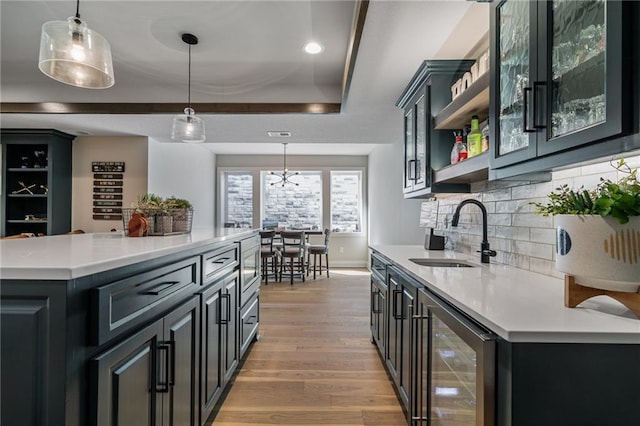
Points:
x=249 y=51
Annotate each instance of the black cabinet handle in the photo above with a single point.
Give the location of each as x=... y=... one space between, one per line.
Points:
x=162 y=364
x=221 y=260
x=525 y=110
x=161 y=288
x=251 y=320
x=536 y=86
x=395 y=303
x=228 y=308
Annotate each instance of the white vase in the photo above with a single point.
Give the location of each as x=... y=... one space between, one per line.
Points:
x=599 y=252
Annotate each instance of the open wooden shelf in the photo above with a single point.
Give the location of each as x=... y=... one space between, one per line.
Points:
x=473 y=101
x=471 y=170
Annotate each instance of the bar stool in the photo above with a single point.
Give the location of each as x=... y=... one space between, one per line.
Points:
x=317 y=251
x=268 y=252
x=293 y=248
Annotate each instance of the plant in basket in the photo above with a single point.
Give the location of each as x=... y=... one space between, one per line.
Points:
x=182 y=213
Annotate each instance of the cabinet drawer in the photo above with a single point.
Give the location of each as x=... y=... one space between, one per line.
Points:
x=124 y=304
x=218 y=261
x=249 y=321
x=378 y=267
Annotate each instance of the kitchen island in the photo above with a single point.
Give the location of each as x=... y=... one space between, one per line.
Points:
x=106 y=329
x=536 y=361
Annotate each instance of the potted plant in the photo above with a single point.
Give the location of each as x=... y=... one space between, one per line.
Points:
x=182 y=213
x=598 y=231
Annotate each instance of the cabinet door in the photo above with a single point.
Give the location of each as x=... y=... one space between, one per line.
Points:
x=513 y=44
x=181 y=333
x=211 y=380
x=406 y=315
x=230 y=316
x=126 y=380
x=395 y=325
x=580 y=66
x=409 y=148
x=420 y=353
x=378 y=314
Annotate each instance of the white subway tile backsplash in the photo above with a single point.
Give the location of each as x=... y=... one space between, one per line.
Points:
x=532 y=220
x=543 y=235
x=521 y=238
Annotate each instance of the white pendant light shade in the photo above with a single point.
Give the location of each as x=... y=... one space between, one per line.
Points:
x=188 y=127
x=73 y=54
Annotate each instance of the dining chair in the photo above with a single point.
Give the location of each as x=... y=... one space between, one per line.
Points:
x=268 y=254
x=293 y=248
x=318 y=250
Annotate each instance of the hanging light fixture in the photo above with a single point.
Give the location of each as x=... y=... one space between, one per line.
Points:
x=285 y=175
x=72 y=53
x=187 y=127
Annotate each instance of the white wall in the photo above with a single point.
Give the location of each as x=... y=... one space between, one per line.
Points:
x=392 y=218
x=184 y=171
x=131 y=150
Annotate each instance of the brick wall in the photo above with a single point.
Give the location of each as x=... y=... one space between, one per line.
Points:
x=521 y=238
x=239 y=204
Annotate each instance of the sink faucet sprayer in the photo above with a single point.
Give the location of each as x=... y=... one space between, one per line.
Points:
x=485 y=251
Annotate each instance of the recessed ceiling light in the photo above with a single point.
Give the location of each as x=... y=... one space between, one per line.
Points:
x=279 y=134
x=313 y=48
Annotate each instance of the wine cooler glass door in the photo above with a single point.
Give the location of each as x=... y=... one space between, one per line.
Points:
x=462 y=371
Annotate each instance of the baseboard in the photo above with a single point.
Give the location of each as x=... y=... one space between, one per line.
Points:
x=348 y=264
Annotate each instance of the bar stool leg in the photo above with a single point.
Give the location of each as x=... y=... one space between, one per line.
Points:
x=327 y=262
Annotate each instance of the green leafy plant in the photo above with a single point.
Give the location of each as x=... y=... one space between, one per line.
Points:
x=148 y=201
x=178 y=203
x=620 y=199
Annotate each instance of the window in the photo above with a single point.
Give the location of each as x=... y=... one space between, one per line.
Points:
x=238 y=202
x=346 y=201
x=292 y=206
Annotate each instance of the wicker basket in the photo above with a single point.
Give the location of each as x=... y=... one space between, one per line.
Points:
x=162 y=222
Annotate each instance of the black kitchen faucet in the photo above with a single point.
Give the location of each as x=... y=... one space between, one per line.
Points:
x=485 y=251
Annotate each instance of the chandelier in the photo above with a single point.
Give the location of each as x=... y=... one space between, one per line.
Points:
x=285 y=175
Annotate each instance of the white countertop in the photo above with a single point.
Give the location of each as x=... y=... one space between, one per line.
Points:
x=518 y=305
x=62 y=257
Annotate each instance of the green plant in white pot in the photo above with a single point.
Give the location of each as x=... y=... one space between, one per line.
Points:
x=598 y=232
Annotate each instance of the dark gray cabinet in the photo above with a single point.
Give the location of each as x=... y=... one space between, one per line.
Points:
x=220 y=352
x=36 y=182
x=31 y=377
x=425 y=148
x=379 y=304
x=151 y=378
x=402 y=294
x=150 y=343
x=561 y=75
x=449 y=369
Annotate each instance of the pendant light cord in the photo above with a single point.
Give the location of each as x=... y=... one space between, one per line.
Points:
x=189 y=85
x=78 y=9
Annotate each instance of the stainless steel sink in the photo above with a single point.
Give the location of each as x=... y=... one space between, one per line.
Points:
x=442 y=263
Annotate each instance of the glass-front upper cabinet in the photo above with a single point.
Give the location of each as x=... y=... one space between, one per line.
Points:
x=559 y=80
x=416 y=160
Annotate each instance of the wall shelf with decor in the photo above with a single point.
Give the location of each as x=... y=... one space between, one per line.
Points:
x=473 y=101
x=36 y=182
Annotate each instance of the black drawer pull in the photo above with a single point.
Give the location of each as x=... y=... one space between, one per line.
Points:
x=251 y=320
x=160 y=288
x=222 y=260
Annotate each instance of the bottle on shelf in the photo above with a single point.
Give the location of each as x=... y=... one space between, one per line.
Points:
x=474 y=138
x=459 y=150
x=485 y=138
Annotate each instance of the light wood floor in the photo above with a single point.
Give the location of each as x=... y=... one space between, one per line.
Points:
x=314 y=363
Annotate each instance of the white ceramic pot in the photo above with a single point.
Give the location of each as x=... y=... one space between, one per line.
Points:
x=599 y=252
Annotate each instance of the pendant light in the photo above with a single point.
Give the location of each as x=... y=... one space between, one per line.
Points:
x=73 y=54
x=285 y=175
x=187 y=127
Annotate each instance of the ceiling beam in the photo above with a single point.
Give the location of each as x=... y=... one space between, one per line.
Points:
x=352 y=47
x=166 y=108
